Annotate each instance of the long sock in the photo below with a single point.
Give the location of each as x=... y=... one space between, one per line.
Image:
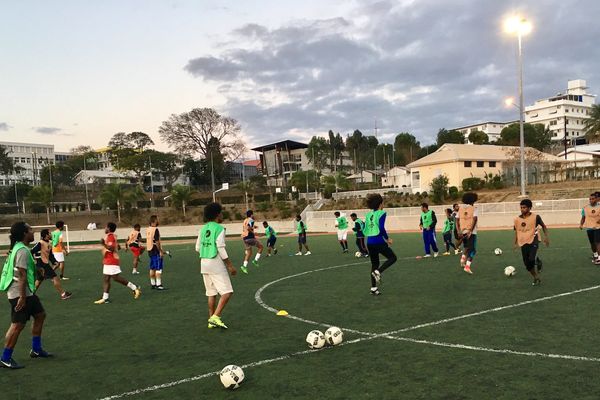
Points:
x=257 y=256
x=245 y=263
x=153 y=281
x=158 y=280
x=342 y=244
x=131 y=286
x=7 y=354
x=36 y=343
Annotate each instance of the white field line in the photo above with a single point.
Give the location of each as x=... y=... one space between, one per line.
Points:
x=367 y=336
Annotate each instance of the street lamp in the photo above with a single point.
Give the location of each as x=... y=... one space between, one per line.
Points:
x=520 y=26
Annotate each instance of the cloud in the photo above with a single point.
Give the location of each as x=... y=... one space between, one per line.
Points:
x=4 y=126
x=46 y=130
x=413 y=66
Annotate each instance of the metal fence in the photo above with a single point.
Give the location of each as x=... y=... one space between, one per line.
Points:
x=511 y=207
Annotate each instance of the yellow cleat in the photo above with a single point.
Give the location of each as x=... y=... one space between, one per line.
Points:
x=102 y=301
x=137 y=293
x=215 y=321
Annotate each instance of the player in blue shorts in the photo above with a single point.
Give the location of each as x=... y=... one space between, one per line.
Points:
x=156 y=253
x=271 y=238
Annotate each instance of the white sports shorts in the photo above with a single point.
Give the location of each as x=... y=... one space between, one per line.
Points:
x=217 y=283
x=59 y=257
x=342 y=234
x=111 y=270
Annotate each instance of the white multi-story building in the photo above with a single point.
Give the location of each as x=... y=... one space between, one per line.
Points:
x=490 y=128
x=563 y=112
x=31 y=158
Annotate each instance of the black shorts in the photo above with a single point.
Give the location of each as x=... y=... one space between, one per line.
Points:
x=44 y=271
x=33 y=307
x=529 y=253
x=271 y=241
x=302 y=239
x=593 y=236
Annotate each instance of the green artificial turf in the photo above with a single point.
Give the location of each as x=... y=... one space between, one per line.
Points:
x=163 y=337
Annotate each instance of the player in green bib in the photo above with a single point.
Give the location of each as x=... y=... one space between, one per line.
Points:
x=301 y=229
x=341 y=223
x=427 y=225
x=18 y=281
x=215 y=265
x=447 y=231
x=271 y=238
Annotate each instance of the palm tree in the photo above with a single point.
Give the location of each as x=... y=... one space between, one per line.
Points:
x=42 y=195
x=592 y=124
x=115 y=194
x=181 y=196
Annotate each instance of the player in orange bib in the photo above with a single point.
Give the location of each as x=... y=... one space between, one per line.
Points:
x=590 y=220
x=134 y=243
x=527 y=237
x=250 y=240
x=466 y=225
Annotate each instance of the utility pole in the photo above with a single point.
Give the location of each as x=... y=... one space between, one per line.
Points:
x=151 y=183
x=17 y=198
x=212 y=170
x=375 y=149
x=85 y=182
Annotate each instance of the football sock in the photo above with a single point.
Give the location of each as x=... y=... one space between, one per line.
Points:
x=158 y=280
x=257 y=256
x=596 y=254
x=36 y=343
x=153 y=281
x=131 y=286
x=463 y=258
x=7 y=354
x=245 y=263
x=104 y=296
x=468 y=264
x=342 y=244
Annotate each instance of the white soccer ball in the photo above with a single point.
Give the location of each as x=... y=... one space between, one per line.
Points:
x=510 y=271
x=358 y=254
x=334 y=336
x=231 y=376
x=315 y=339
x=498 y=251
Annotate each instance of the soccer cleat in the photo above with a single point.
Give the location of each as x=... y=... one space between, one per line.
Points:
x=375 y=292
x=447 y=253
x=255 y=263
x=137 y=293
x=160 y=287
x=11 y=364
x=64 y=278
x=457 y=251
x=308 y=253
x=298 y=253
x=102 y=301
x=244 y=269
x=536 y=282
x=215 y=320
x=66 y=295
x=211 y=326
x=135 y=272
x=427 y=255
x=345 y=251
x=40 y=354
x=468 y=270
x=376 y=275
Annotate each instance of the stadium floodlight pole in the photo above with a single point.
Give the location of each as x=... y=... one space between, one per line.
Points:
x=521 y=27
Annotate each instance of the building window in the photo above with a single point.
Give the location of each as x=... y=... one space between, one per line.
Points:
x=480 y=164
x=492 y=164
x=468 y=164
x=553 y=122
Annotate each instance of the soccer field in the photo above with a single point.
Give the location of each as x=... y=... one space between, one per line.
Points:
x=434 y=333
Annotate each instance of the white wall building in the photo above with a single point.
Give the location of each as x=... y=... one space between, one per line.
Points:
x=490 y=128
x=586 y=155
x=31 y=157
x=563 y=112
x=396 y=177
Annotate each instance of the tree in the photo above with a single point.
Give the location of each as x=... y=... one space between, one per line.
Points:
x=356 y=144
x=7 y=165
x=41 y=195
x=167 y=164
x=337 y=180
x=406 y=148
x=116 y=195
x=181 y=196
x=301 y=178
x=191 y=132
x=536 y=136
x=478 y=137
x=336 y=146
x=425 y=151
x=592 y=124
x=259 y=182
x=446 y=136
x=439 y=187
x=317 y=152
x=372 y=143
x=385 y=153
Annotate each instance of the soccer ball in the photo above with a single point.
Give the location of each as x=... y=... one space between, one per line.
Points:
x=509 y=271
x=334 y=336
x=315 y=339
x=231 y=376
x=498 y=251
x=358 y=254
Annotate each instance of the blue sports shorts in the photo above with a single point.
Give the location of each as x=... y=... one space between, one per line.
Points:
x=156 y=262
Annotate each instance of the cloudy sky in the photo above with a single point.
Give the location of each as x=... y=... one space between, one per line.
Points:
x=74 y=72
